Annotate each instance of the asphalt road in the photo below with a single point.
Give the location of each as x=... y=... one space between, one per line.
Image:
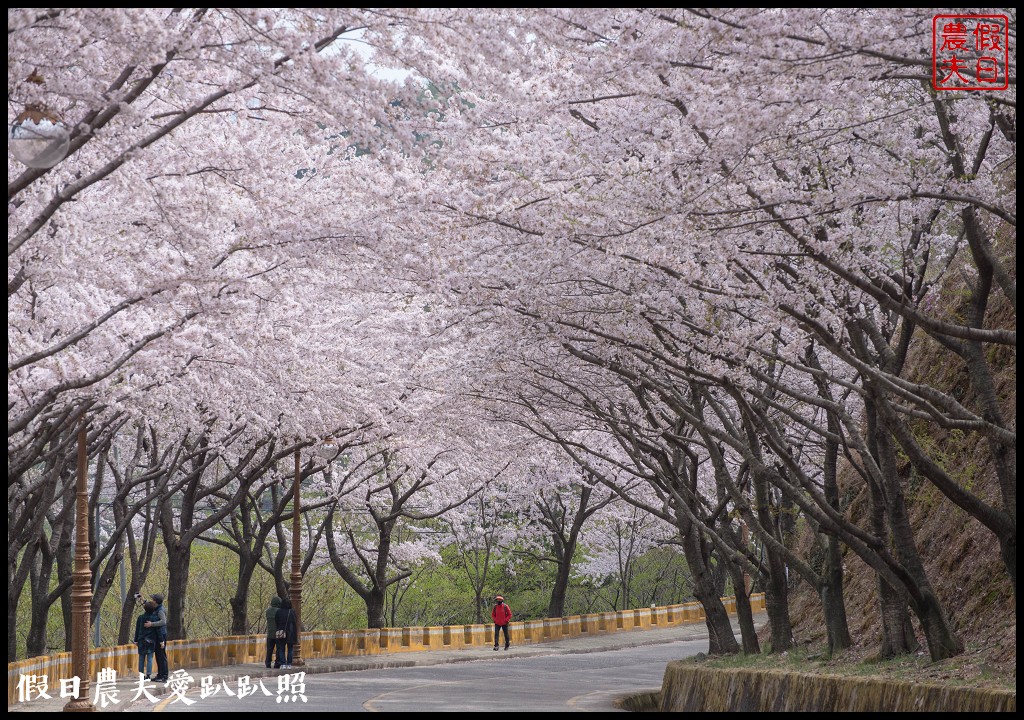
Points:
x=496 y=683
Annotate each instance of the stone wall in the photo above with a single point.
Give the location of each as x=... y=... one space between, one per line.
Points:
x=690 y=688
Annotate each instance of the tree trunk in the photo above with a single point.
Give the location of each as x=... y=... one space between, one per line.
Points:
x=39 y=585
x=719 y=573
x=832 y=602
x=942 y=643
x=897 y=632
x=126 y=626
x=65 y=569
x=834 y=608
x=556 y=606
x=776 y=599
x=280 y=584
x=1008 y=551
x=776 y=590
x=748 y=632
x=375 y=608
x=16 y=579
x=101 y=588
x=178 y=559
x=35 y=643
x=721 y=640
x=240 y=601
x=12 y=628
x=479 y=593
x=1004 y=456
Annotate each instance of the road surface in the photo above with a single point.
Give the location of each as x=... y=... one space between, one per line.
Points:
x=497 y=682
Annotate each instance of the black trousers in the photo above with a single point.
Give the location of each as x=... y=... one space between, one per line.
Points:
x=498 y=628
x=161 y=660
x=284 y=652
x=271 y=644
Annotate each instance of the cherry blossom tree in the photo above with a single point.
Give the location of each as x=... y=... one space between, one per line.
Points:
x=830 y=195
x=689 y=248
x=620 y=537
x=562 y=501
x=481 y=531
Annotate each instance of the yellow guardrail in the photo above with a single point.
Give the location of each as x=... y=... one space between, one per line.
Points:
x=248 y=649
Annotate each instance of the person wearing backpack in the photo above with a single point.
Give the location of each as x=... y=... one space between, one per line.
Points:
x=275 y=605
x=286 y=632
x=502 y=615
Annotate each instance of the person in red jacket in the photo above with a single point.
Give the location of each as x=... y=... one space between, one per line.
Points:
x=501 y=614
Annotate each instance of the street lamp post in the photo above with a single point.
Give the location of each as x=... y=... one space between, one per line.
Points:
x=81 y=585
x=328 y=451
x=296 y=585
x=39 y=140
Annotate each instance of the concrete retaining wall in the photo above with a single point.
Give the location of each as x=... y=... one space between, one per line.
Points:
x=689 y=688
x=250 y=649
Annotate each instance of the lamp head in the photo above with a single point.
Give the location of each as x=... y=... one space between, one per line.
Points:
x=38 y=139
x=328 y=450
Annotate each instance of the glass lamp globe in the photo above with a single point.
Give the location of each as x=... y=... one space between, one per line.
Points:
x=38 y=139
x=328 y=451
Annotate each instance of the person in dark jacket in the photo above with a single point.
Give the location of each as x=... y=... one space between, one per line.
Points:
x=502 y=615
x=287 y=632
x=161 y=644
x=147 y=638
x=275 y=605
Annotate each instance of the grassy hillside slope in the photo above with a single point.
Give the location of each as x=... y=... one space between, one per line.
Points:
x=962 y=557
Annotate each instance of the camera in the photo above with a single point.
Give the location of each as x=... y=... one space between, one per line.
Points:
x=137 y=596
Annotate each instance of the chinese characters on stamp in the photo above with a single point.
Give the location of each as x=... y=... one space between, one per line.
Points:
x=970 y=52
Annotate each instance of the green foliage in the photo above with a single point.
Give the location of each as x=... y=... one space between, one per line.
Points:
x=435 y=594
